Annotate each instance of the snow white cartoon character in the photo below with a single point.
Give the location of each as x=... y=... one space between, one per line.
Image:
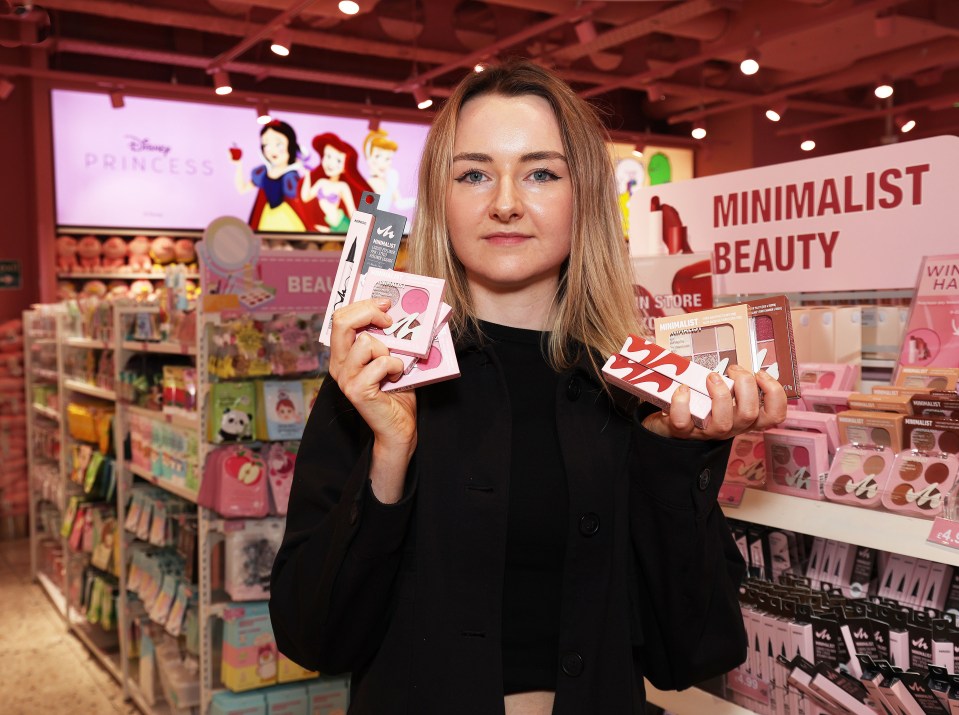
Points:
x=333 y=189
x=378 y=149
x=277 y=206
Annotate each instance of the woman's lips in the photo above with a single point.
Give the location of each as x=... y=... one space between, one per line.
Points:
x=506 y=238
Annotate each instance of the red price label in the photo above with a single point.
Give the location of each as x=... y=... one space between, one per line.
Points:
x=731 y=494
x=944 y=532
x=749 y=685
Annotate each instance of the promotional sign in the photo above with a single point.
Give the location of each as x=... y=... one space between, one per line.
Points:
x=932 y=333
x=861 y=220
x=239 y=276
x=178 y=165
x=672 y=285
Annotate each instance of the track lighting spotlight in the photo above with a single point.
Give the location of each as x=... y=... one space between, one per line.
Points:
x=348 y=7
x=282 y=42
x=422 y=97
x=221 y=83
x=905 y=124
x=699 y=129
x=750 y=65
x=807 y=144
x=884 y=89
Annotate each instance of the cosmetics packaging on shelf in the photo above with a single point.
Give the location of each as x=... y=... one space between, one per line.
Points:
x=937 y=404
x=896 y=390
x=747 y=460
x=828 y=376
x=930 y=435
x=775 y=346
x=882 y=330
x=883 y=429
x=880 y=403
x=858 y=474
x=348 y=271
x=821 y=422
x=919 y=483
x=796 y=462
x=415 y=307
x=826 y=401
x=940 y=378
x=713 y=338
x=653 y=373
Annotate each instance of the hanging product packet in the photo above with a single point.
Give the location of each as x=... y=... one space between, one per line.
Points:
x=420 y=334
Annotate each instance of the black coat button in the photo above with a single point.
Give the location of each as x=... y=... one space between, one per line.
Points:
x=704 y=479
x=573 y=389
x=588 y=524
x=572 y=664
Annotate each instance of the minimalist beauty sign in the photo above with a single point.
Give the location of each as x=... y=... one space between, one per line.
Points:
x=860 y=220
x=178 y=165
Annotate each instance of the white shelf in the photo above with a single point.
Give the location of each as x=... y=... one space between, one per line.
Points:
x=693 y=701
x=114 y=231
x=161 y=708
x=45 y=374
x=87 y=633
x=46 y=412
x=75 y=342
x=117 y=276
x=164 y=484
x=864 y=527
x=91 y=390
x=167 y=348
x=53 y=592
x=185 y=421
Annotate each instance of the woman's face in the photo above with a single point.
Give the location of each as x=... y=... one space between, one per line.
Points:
x=276 y=147
x=333 y=161
x=510 y=200
x=380 y=160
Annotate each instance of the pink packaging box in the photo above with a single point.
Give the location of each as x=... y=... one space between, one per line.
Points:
x=415 y=308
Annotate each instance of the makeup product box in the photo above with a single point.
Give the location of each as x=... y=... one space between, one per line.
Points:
x=842 y=689
x=861 y=427
x=440 y=364
x=882 y=328
x=288 y=700
x=747 y=465
x=858 y=475
x=931 y=435
x=415 y=306
x=329 y=696
x=227 y=703
x=894 y=390
x=796 y=462
x=836 y=334
x=914 y=695
x=653 y=373
x=827 y=401
x=774 y=341
x=919 y=483
x=348 y=271
x=713 y=338
x=937 y=404
x=821 y=422
x=880 y=403
x=249 y=651
x=828 y=376
x=940 y=378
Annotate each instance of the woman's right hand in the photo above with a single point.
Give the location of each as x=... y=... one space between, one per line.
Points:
x=359 y=363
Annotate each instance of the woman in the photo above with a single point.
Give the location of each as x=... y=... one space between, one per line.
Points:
x=335 y=186
x=379 y=149
x=523 y=539
x=277 y=206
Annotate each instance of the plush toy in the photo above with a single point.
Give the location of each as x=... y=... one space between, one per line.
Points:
x=66 y=254
x=141 y=290
x=66 y=290
x=139 y=250
x=162 y=250
x=94 y=288
x=184 y=251
x=114 y=253
x=89 y=249
x=118 y=290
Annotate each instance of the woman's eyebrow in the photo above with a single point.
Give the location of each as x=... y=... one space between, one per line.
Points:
x=530 y=156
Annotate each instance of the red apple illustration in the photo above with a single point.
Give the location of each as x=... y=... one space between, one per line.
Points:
x=236 y=152
x=244 y=469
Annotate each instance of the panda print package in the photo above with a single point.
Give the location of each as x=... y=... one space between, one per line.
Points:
x=232 y=410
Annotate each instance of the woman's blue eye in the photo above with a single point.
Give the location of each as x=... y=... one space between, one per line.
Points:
x=473 y=176
x=543 y=175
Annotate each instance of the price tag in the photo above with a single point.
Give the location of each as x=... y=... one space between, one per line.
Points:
x=731 y=494
x=944 y=532
x=749 y=685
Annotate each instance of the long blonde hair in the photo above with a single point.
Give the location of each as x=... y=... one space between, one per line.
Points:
x=594 y=305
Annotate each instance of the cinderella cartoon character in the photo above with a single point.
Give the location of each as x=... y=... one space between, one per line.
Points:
x=277 y=206
x=378 y=149
x=333 y=189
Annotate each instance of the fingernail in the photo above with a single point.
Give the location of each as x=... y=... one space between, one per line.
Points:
x=683 y=390
x=714 y=378
x=382 y=303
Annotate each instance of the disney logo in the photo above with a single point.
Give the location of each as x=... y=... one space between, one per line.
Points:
x=139 y=144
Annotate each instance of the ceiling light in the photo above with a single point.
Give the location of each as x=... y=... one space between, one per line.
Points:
x=884 y=89
x=905 y=124
x=776 y=112
x=807 y=144
x=422 y=97
x=221 y=82
x=699 y=129
x=6 y=88
x=750 y=65
x=116 y=99
x=263 y=113
x=374 y=124
x=479 y=67
x=282 y=42
x=637 y=152
x=348 y=7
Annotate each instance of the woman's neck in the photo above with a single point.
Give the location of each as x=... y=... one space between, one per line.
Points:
x=527 y=308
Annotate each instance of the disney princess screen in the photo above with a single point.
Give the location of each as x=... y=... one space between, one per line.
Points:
x=162 y=164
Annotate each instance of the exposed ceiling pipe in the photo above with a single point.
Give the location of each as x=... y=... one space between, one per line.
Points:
x=239 y=28
x=574 y=15
x=738 y=45
x=260 y=34
x=901 y=63
x=932 y=103
x=709 y=94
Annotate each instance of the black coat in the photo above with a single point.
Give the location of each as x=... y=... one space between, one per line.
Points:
x=408 y=596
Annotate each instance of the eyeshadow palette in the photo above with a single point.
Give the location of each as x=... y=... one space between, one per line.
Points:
x=415 y=305
x=943 y=406
x=939 y=378
x=713 y=338
x=919 y=483
x=931 y=436
x=775 y=347
x=796 y=462
x=880 y=403
x=894 y=390
x=821 y=422
x=858 y=475
x=440 y=364
x=827 y=401
x=828 y=376
x=747 y=465
x=883 y=429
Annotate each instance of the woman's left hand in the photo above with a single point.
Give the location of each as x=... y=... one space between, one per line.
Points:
x=729 y=417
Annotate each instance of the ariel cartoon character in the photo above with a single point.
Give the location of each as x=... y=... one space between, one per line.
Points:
x=333 y=189
x=378 y=150
x=277 y=206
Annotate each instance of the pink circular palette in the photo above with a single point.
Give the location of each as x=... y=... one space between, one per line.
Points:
x=919 y=482
x=858 y=475
x=796 y=462
x=747 y=460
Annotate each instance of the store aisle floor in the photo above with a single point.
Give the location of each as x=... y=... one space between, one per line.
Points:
x=43 y=668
